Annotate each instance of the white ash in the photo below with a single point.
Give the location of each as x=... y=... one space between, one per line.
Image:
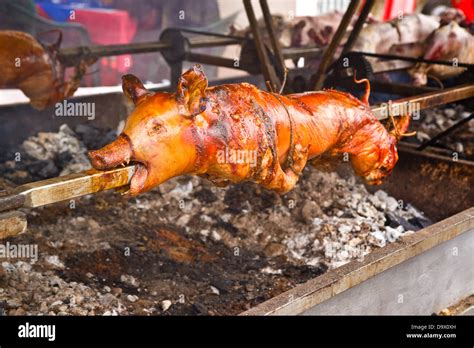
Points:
x=48 y=145
x=339 y=221
x=132 y=298
x=183 y=220
x=215 y=290
x=182 y=190
x=38 y=292
x=165 y=305
x=269 y=270
x=435 y=120
x=215 y=236
x=393 y=233
x=129 y=280
x=353 y=230
x=54 y=262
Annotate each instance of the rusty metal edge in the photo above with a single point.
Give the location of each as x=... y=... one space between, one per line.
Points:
x=434 y=153
x=320 y=289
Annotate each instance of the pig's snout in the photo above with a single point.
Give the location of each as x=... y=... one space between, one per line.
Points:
x=420 y=79
x=111 y=155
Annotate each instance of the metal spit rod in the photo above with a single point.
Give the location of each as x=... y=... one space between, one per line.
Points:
x=71 y=55
x=39 y=193
x=427 y=100
x=417 y=60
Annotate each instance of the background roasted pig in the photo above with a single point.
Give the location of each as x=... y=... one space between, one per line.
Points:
x=449 y=43
x=380 y=37
x=32 y=67
x=299 y=31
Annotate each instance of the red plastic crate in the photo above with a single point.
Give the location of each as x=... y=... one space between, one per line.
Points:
x=394 y=8
x=467 y=6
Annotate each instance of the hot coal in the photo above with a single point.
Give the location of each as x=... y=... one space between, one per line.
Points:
x=94 y=137
x=414 y=224
x=47 y=155
x=435 y=120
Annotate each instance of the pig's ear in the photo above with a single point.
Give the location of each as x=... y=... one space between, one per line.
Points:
x=133 y=88
x=191 y=92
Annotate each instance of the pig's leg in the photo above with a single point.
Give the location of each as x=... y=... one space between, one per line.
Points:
x=68 y=88
x=284 y=180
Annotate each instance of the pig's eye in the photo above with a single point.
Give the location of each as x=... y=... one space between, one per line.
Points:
x=155 y=128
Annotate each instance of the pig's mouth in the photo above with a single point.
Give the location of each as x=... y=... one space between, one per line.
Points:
x=120 y=153
x=137 y=183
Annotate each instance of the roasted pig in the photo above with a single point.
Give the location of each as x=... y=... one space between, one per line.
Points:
x=33 y=68
x=236 y=132
x=450 y=43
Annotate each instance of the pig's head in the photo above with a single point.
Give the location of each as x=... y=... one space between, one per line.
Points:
x=419 y=74
x=161 y=136
x=375 y=150
x=445 y=44
x=450 y=14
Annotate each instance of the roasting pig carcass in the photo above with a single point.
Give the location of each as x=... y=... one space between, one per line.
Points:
x=450 y=42
x=33 y=68
x=299 y=31
x=236 y=132
x=380 y=37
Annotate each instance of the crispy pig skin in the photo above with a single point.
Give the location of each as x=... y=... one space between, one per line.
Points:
x=236 y=132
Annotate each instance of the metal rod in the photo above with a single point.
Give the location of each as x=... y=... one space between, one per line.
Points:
x=271 y=32
x=175 y=73
x=331 y=49
x=66 y=187
x=213 y=60
x=427 y=100
x=416 y=60
x=265 y=65
x=446 y=132
x=384 y=66
x=70 y=56
x=297 y=52
x=367 y=7
x=399 y=88
x=211 y=42
x=208 y=33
